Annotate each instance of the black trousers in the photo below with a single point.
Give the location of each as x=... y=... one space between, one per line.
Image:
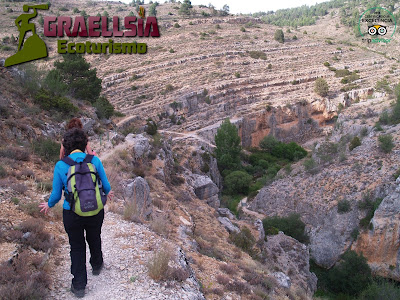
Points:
x=75 y=226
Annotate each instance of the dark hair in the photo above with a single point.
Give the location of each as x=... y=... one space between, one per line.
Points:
x=74 y=139
x=74 y=123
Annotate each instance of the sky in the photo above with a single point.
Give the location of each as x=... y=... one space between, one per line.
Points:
x=250 y=6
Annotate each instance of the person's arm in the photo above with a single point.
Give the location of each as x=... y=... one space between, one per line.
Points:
x=55 y=193
x=102 y=175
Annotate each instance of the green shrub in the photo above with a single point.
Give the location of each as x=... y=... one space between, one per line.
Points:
x=342 y=73
x=290 y=151
x=327 y=64
x=258 y=55
x=237 y=182
x=321 y=87
x=3 y=172
x=176 y=25
x=47 y=149
x=383 y=86
x=151 y=127
x=355 y=142
x=244 y=239
x=291 y=225
x=104 y=109
x=370 y=206
x=381 y=289
x=279 y=36
x=46 y=100
x=351 y=275
x=311 y=166
x=386 y=143
x=344 y=206
x=237 y=74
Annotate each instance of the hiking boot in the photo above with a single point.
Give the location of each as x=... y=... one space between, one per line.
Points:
x=78 y=293
x=97 y=270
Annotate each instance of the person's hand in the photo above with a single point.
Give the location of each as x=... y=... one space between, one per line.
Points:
x=110 y=196
x=44 y=207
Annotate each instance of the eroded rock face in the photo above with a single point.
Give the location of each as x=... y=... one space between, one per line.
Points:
x=292 y=258
x=381 y=244
x=138 y=194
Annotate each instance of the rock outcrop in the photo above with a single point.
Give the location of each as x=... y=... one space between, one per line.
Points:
x=291 y=258
x=137 y=193
x=380 y=244
x=205 y=189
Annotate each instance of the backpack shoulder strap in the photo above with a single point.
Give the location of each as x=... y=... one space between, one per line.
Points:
x=88 y=158
x=69 y=161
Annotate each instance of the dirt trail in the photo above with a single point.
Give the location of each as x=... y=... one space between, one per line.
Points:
x=189 y=135
x=126 y=248
x=242 y=204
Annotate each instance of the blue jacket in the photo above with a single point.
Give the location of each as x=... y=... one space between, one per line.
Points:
x=60 y=178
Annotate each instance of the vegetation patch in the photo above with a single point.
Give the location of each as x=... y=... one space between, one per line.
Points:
x=291 y=225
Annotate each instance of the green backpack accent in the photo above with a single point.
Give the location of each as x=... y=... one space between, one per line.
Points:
x=85 y=191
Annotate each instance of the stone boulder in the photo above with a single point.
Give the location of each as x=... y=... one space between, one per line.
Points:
x=292 y=259
x=282 y=279
x=205 y=189
x=225 y=212
x=141 y=146
x=228 y=225
x=137 y=193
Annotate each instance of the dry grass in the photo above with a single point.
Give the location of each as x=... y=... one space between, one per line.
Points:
x=160 y=225
x=37 y=237
x=158 y=263
x=22 y=279
x=229 y=269
x=131 y=212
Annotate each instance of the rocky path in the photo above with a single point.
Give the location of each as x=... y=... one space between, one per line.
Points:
x=243 y=204
x=189 y=135
x=126 y=249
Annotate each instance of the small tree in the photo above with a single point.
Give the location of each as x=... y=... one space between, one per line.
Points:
x=75 y=72
x=228 y=147
x=104 y=109
x=238 y=182
x=321 y=87
x=185 y=7
x=153 y=9
x=269 y=143
x=225 y=10
x=279 y=36
x=386 y=143
x=151 y=127
x=350 y=276
x=355 y=142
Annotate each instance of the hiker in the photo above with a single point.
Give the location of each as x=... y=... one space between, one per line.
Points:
x=75 y=123
x=77 y=218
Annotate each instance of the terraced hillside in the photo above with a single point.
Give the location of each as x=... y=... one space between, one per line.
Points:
x=204 y=69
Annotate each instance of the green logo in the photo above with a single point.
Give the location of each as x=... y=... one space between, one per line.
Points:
x=34 y=47
x=377 y=25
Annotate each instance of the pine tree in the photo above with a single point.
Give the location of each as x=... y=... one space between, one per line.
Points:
x=153 y=9
x=228 y=146
x=279 y=36
x=82 y=82
x=321 y=87
x=185 y=7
